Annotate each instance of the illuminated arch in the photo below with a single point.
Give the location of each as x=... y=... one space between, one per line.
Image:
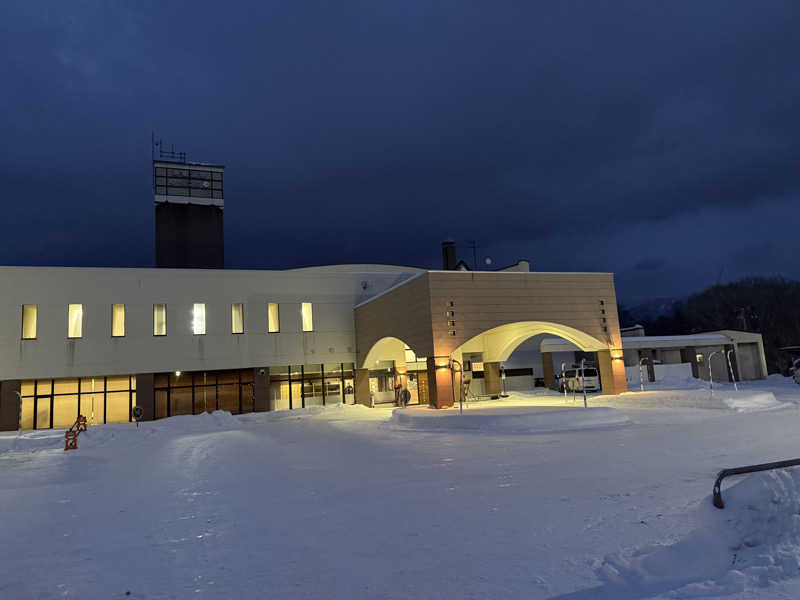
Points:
x=387 y=348
x=498 y=343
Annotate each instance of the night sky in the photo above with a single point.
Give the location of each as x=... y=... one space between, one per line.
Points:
x=657 y=140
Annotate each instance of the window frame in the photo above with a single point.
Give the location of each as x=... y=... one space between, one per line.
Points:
x=194 y=308
x=124 y=333
x=154 y=319
x=277 y=317
x=303 y=317
x=241 y=308
x=35 y=325
x=69 y=310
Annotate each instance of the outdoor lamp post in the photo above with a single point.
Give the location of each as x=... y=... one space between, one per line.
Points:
x=711 y=372
x=641 y=374
x=730 y=368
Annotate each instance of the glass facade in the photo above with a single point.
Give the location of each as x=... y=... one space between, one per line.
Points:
x=117 y=320
x=273 y=318
x=75 y=321
x=237 y=318
x=29 y=314
x=300 y=386
x=187 y=181
x=194 y=393
x=56 y=403
x=159 y=319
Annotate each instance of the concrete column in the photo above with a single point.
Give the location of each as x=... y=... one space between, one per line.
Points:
x=612 y=373
x=440 y=384
x=261 y=389
x=689 y=355
x=491 y=379
x=547 y=371
x=651 y=370
x=362 y=387
x=10 y=406
x=145 y=396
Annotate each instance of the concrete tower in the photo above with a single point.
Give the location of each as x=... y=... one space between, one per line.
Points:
x=188 y=206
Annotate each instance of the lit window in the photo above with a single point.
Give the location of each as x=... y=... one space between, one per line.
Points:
x=75 y=321
x=117 y=320
x=29 y=312
x=308 y=317
x=199 y=319
x=237 y=318
x=700 y=358
x=159 y=319
x=273 y=318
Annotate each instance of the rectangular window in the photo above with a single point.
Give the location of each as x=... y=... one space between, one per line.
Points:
x=159 y=319
x=308 y=318
x=237 y=318
x=29 y=313
x=273 y=318
x=199 y=319
x=117 y=320
x=75 y=321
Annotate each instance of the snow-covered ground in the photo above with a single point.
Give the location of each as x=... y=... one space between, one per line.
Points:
x=349 y=502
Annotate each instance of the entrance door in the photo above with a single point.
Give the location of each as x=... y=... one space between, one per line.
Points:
x=422 y=388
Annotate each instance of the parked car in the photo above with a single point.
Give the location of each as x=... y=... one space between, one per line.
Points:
x=574 y=380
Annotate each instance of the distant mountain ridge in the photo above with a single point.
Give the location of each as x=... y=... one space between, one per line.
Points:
x=647 y=311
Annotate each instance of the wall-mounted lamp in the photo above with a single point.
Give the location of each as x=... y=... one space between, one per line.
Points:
x=617 y=355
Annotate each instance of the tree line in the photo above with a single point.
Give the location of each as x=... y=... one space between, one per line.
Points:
x=766 y=305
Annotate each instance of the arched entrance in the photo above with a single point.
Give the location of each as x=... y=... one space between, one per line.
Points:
x=389 y=368
x=494 y=346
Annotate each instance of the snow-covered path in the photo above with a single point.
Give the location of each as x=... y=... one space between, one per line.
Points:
x=346 y=505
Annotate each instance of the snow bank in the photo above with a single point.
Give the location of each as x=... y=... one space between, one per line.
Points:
x=754 y=541
x=741 y=401
x=680 y=374
x=531 y=419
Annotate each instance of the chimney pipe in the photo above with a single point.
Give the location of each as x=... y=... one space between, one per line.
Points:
x=449 y=255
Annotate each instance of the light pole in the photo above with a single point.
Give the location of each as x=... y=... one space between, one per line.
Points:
x=641 y=374
x=564 y=380
x=730 y=368
x=711 y=372
x=503 y=380
x=583 y=381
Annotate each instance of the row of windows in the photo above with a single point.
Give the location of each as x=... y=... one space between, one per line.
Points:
x=75 y=319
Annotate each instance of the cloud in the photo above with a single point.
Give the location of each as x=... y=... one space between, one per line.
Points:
x=369 y=131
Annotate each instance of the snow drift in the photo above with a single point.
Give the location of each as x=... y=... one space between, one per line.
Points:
x=754 y=541
x=510 y=419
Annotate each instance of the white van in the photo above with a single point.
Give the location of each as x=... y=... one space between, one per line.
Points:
x=573 y=377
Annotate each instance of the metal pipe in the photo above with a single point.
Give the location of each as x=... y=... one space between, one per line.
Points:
x=730 y=368
x=641 y=374
x=583 y=381
x=711 y=372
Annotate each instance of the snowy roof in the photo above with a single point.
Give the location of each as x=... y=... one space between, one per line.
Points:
x=645 y=341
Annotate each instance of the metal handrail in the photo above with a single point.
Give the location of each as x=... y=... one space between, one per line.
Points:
x=781 y=464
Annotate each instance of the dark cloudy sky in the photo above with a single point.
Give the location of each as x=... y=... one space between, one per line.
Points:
x=657 y=140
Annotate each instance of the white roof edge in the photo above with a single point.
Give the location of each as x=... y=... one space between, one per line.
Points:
x=387 y=290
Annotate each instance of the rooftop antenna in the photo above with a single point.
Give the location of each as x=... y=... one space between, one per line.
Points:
x=170 y=155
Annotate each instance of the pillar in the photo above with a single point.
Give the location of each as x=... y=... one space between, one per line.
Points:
x=689 y=355
x=261 y=389
x=491 y=378
x=145 y=396
x=10 y=406
x=548 y=373
x=362 y=387
x=440 y=383
x=651 y=370
x=612 y=373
